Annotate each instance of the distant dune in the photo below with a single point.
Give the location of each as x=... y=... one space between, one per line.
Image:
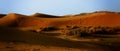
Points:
x=10 y=19
x=102 y=18
x=93 y=19
x=44 y=15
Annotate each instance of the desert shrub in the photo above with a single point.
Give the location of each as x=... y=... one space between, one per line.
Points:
x=78 y=32
x=49 y=29
x=103 y=30
x=117 y=29
x=75 y=27
x=90 y=30
x=68 y=27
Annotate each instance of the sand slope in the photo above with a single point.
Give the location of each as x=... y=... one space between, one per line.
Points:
x=93 y=19
x=102 y=19
x=34 y=39
x=44 y=15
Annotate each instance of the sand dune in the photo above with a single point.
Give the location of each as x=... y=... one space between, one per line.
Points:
x=94 y=19
x=10 y=24
x=102 y=18
x=44 y=15
x=10 y=19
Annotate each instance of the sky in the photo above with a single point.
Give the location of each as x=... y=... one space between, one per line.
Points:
x=57 y=7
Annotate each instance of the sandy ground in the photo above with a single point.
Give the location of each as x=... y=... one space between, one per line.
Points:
x=10 y=46
x=16 y=40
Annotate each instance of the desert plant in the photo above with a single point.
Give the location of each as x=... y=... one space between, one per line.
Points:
x=90 y=30
x=78 y=32
x=51 y=28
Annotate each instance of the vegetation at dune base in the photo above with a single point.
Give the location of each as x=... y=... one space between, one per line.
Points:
x=82 y=31
x=90 y=30
x=51 y=28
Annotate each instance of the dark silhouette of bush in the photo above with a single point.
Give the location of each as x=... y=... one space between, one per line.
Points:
x=103 y=30
x=75 y=27
x=90 y=30
x=117 y=29
x=49 y=29
x=78 y=32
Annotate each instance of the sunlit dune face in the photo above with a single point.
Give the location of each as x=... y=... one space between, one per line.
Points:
x=95 y=19
x=92 y=19
x=10 y=19
x=106 y=19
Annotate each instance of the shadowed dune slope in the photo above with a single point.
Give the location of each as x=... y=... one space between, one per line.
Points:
x=10 y=19
x=14 y=35
x=44 y=15
x=2 y=15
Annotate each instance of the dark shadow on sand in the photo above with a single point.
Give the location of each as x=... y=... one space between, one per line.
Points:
x=14 y=35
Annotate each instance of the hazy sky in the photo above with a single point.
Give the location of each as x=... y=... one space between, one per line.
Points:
x=57 y=7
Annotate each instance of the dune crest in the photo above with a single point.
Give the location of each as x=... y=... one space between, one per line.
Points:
x=101 y=18
x=43 y=15
x=9 y=19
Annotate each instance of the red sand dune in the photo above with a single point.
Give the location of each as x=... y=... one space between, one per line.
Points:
x=102 y=18
x=10 y=19
x=44 y=15
x=94 y=19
